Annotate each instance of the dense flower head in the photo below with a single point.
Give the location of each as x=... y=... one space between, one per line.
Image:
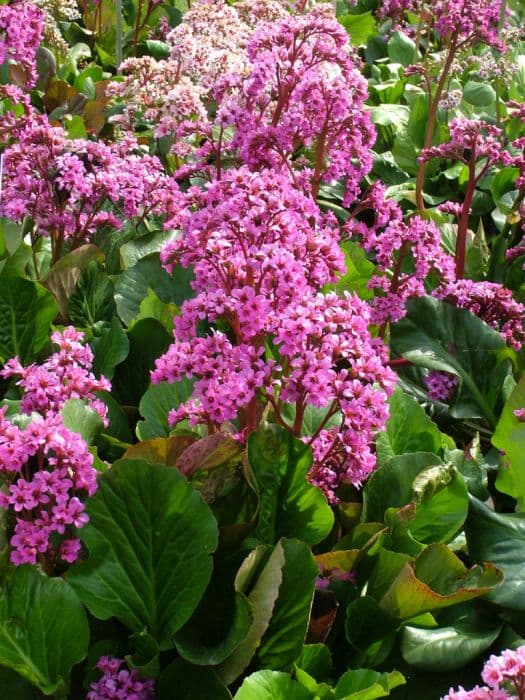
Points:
x=21 y=27
x=441 y=385
x=471 y=140
x=333 y=363
x=261 y=251
x=491 y=302
x=56 y=11
x=118 y=683
x=470 y=20
x=257 y=230
x=504 y=676
x=68 y=186
x=46 y=467
x=303 y=91
x=64 y=375
x=418 y=240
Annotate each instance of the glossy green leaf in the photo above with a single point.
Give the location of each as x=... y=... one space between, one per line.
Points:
x=219 y=624
x=439 y=336
x=155 y=405
x=446 y=648
x=289 y=505
x=110 y=346
x=359 y=27
x=401 y=49
x=500 y=539
x=479 y=94
x=182 y=679
x=437 y=579
x=81 y=419
x=509 y=436
x=359 y=270
x=283 y=641
x=365 y=684
x=148 y=340
x=43 y=629
x=150 y=537
x=132 y=285
x=26 y=312
x=92 y=299
x=409 y=429
x=271 y=685
x=390 y=486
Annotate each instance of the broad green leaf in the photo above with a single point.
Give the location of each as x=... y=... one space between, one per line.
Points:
x=390 y=486
x=418 y=120
x=316 y=660
x=14 y=686
x=81 y=419
x=409 y=429
x=390 y=115
x=138 y=248
x=210 y=636
x=500 y=539
x=479 y=94
x=155 y=405
x=365 y=684
x=437 y=579
x=359 y=270
x=26 y=312
x=289 y=505
x=92 y=299
x=446 y=648
x=261 y=586
x=370 y=630
x=110 y=347
x=439 y=336
x=150 y=537
x=360 y=27
x=271 y=685
x=148 y=340
x=401 y=49
x=283 y=641
x=43 y=629
x=509 y=436
x=182 y=679
x=152 y=307
x=132 y=286
x=64 y=275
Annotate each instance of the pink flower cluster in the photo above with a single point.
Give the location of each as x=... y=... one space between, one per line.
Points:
x=490 y=301
x=118 y=683
x=303 y=91
x=46 y=466
x=21 y=28
x=71 y=188
x=64 y=375
x=503 y=675
x=441 y=385
x=466 y=20
x=261 y=250
x=421 y=241
x=471 y=140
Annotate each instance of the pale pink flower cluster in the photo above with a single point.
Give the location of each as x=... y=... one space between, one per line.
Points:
x=64 y=375
x=209 y=43
x=118 y=683
x=21 y=28
x=504 y=676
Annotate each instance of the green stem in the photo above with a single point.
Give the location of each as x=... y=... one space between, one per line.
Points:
x=118 y=46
